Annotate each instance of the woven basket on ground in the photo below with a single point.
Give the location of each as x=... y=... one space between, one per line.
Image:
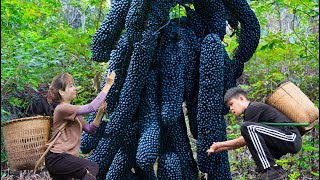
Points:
x=25 y=141
x=291 y=101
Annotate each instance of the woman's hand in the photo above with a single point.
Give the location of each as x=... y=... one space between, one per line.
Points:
x=98 y=118
x=110 y=78
x=103 y=106
x=109 y=81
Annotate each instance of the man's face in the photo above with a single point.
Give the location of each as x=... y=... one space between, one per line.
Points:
x=237 y=105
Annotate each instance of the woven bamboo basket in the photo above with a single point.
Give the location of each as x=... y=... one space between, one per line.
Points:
x=291 y=101
x=25 y=141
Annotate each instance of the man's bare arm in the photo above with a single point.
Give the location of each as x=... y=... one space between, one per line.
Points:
x=227 y=145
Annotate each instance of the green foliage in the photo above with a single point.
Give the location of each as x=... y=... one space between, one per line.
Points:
x=177 y=12
x=283 y=54
x=286 y=55
x=37 y=43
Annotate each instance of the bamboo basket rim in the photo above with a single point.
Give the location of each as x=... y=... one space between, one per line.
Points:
x=279 y=87
x=25 y=119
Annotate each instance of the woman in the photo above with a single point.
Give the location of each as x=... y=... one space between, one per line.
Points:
x=63 y=160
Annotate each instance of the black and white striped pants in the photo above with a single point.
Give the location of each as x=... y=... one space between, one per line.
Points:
x=268 y=143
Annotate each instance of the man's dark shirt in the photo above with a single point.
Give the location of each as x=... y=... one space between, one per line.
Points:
x=261 y=112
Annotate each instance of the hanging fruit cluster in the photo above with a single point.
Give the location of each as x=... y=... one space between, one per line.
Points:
x=161 y=63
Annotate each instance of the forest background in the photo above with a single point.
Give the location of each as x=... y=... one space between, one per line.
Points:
x=40 y=39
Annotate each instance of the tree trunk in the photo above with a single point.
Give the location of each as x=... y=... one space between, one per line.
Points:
x=72 y=14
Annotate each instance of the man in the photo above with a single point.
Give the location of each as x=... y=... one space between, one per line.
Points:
x=265 y=143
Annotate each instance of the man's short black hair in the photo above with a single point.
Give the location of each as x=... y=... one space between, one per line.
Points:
x=234 y=92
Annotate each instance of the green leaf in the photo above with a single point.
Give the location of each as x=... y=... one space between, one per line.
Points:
x=309 y=148
x=264 y=47
x=294 y=175
x=315 y=174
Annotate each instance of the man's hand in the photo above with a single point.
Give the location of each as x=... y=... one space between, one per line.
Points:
x=226 y=145
x=214 y=148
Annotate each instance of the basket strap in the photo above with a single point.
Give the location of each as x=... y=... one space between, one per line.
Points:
x=52 y=139
x=286 y=124
x=56 y=136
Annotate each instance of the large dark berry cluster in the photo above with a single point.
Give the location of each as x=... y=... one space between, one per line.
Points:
x=195 y=22
x=169 y=166
x=249 y=32
x=181 y=146
x=211 y=125
x=137 y=18
x=149 y=141
x=213 y=14
x=162 y=63
x=106 y=37
x=119 y=61
x=89 y=142
x=172 y=74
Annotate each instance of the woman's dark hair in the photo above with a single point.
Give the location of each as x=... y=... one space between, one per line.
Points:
x=59 y=82
x=234 y=92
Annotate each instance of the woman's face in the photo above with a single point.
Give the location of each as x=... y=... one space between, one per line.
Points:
x=69 y=93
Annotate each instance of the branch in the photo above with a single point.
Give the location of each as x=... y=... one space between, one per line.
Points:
x=308 y=8
x=292 y=24
x=99 y=15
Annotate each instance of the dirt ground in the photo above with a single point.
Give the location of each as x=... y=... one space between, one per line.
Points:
x=41 y=174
